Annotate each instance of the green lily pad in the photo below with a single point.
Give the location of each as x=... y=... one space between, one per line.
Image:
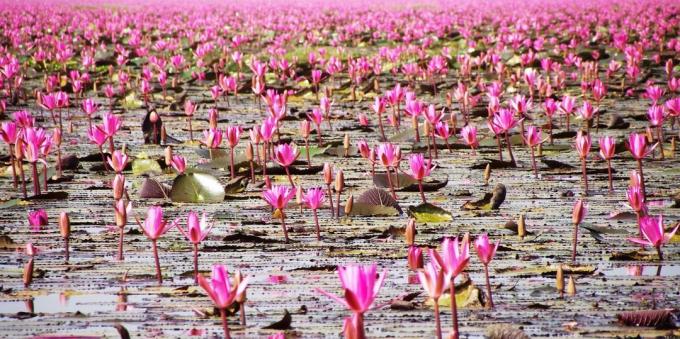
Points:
x=196 y=187
x=146 y=166
x=429 y=213
x=131 y=102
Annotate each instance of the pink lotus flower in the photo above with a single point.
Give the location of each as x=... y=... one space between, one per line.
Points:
x=222 y=292
x=656 y=115
x=37 y=219
x=154 y=227
x=90 y=107
x=118 y=161
x=8 y=132
x=637 y=145
x=388 y=154
x=469 y=136
x=420 y=170
x=285 y=155
x=361 y=285
x=654 y=93
x=314 y=198
x=587 y=111
x=278 y=197
x=578 y=214
x=434 y=283
x=179 y=164
x=111 y=124
x=452 y=260
x=268 y=128
x=212 y=137
x=97 y=136
x=196 y=231
x=485 y=250
x=607 y=150
x=414 y=257
x=673 y=107
x=636 y=200
x=583 y=144
x=654 y=233
x=233 y=134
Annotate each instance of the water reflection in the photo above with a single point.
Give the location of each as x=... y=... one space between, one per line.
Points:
x=658 y=270
x=66 y=302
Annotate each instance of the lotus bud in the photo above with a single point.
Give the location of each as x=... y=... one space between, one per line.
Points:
x=153 y=117
x=327 y=173
x=579 y=212
x=415 y=258
x=487 y=174
x=339 y=181
x=571 y=286
x=521 y=227
x=28 y=273
x=168 y=156
x=56 y=136
x=427 y=128
x=118 y=185
x=213 y=115
x=238 y=278
x=305 y=128
x=267 y=182
x=410 y=232
x=249 y=152
x=345 y=145
x=31 y=250
x=64 y=225
x=559 y=279
x=349 y=204
x=120 y=213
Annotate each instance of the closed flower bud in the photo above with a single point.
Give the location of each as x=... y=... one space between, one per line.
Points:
x=64 y=225
x=579 y=213
x=345 y=142
x=349 y=204
x=339 y=181
x=327 y=173
x=571 y=286
x=521 y=226
x=168 y=156
x=164 y=135
x=487 y=174
x=410 y=232
x=559 y=279
x=415 y=258
x=118 y=186
x=249 y=152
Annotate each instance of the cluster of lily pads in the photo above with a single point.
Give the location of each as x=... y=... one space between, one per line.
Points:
x=428 y=82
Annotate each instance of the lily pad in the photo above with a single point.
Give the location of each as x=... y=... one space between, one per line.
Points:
x=429 y=213
x=197 y=187
x=146 y=166
x=467 y=296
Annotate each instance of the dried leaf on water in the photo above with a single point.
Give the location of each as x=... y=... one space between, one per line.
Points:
x=428 y=213
x=666 y=318
x=490 y=201
x=283 y=324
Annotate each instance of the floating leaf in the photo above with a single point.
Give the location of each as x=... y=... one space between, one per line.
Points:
x=196 y=187
x=283 y=324
x=236 y=185
x=649 y=318
x=467 y=296
x=146 y=166
x=365 y=209
x=152 y=189
x=429 y=213
x=504 y=331
x=9 y=203
x=490 y=201
x=131 y=102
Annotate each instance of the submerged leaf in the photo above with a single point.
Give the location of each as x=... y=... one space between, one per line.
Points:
x=196 y=187
x=429 y=213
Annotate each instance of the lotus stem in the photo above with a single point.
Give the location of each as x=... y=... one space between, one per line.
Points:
x=290 y=179
x=454 y=309
x=533 y=162
x=196 y=263
x=437 y=321
x=36 y=182
x=45 y=177
x=585 y=176
x=500 y=147
x=12 y=163
x=642 y=178
x=574 y=241
x=231 y=161
x=507 y=141
x=659 y=132
x=316 y=223
x=382 y=129
x=609 y=172
x=191 y=130
x=23 y=178
x=488 y=285
x=337 y=213
x=159 y=276
x=121 y=234
x=659 y=253
x=330 y=200
x=283 y=225
x=242 y=313
x=422 y=194
x=225 y=324
x=389 y=181
x=309 y=162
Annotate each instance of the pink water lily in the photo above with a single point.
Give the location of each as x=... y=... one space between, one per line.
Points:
x=504 y=120
x=434 y=282
x=532 y=138
x=469 y=136
x=654 y=233
x=179 y=163
x=419 y=170
x=37 y=219
x=285 y=155
x=118 y=161
x=196 y=231
x=452 y=259
x=154 y=227
x=233 y=135
x=639 y=149
x=361 y=285
x=607 y=151
x=389 y=155
x=486 y=251
x=222 y=292
x=278 y=197
x=583 y=144
x=314 y=198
